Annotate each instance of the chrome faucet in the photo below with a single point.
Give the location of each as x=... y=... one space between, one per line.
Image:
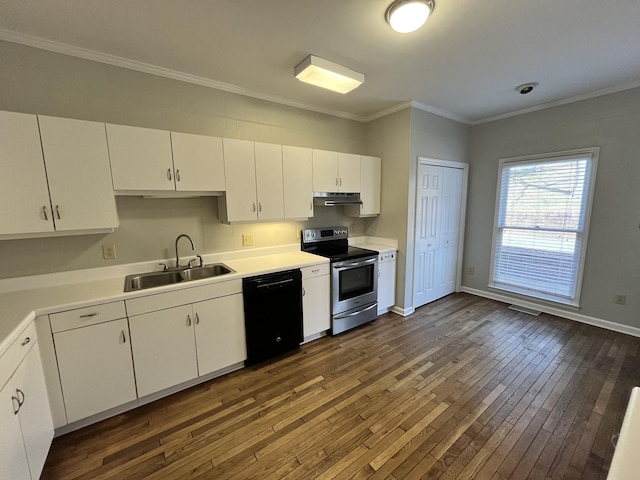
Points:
x=192 y=247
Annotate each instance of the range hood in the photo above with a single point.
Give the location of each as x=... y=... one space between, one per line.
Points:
x=333 y=199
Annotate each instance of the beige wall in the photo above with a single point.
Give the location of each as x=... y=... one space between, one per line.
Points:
x=611 y=122
x=37 y=81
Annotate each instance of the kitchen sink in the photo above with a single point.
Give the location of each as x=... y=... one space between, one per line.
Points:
x=142 y=281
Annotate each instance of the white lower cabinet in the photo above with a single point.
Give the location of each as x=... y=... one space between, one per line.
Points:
x=96 y=370
x=27 y=428
x=316 y=300
x=164 y=351
x=386 y=281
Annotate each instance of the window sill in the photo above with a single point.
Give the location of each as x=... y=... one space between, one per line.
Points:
x=548 y=299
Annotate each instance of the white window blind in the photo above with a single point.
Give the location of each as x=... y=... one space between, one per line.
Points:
x=541 y=224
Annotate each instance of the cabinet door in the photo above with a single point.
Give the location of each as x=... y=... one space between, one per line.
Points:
x=370 y=185
x=325 y=171
x=198 y=162
x=34 y=414
x=269 y=183
x=140 y=158
x=349 y=172
x=315 y=305
x=13 y=458
x=386 y=285
x=297 y=169
x=220 y=338
x=23 y=182
x=164 y=350
x=240 y=175
x=96 y=369
x=77 y=160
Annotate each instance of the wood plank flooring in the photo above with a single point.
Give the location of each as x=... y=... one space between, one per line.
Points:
x=462 y=389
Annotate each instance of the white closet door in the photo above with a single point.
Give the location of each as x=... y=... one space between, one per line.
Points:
x=438 y=211
x=427 y=261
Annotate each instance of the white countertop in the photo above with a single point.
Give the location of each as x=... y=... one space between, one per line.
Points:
x=626 y=462
x=19 y=307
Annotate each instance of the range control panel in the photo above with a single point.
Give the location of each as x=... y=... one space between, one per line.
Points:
x=311 y=235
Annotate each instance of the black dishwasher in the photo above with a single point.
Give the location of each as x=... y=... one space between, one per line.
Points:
x=272 y=313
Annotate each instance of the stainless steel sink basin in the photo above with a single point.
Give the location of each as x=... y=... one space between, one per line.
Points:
x=142 y=281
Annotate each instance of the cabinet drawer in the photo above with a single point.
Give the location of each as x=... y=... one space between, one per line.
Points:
x=160 y=301
x=315 y=270
x=16 y=352
x=81 y=317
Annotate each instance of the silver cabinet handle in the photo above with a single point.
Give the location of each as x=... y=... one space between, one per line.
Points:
x=124 y=337
x=378 y=273
x=44 y=212
x=310 y=205
x=341 y=182
x=169 y=173
x=259 y=206
x=15 y=400
x=337 y=181
x=197 y=319
x=189 y=320
x=254 y=206
x=89 y=315
x=58 y=211
x=26 y=341
x=177 y=175
x=315 y=270
x=304 y=292
x=20 y=393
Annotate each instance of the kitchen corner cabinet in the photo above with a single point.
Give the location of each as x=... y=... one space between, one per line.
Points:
x=336 y=172
x=145 y=159
x=316 y=296
x=178 y=336
x=67 y=189
x=96 y=370
x=386 y=281
x=254 y=181
x=27 y=428
x=297 y=171
x=370 y=168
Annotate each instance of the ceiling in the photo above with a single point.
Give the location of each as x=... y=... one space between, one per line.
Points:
x=463 y=64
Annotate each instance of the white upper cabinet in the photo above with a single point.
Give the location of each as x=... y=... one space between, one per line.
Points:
x=72 y=193
x=144 y=159
x=198 y=163
x=369 y=189
x=23 y=182
x=77 y=160
x=336 y=172
x=140 y=158
x=240 y=202
x=269 y=183
x=297 y=173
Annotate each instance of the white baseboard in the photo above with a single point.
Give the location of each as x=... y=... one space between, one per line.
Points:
x=402 y=311
x=596 y=322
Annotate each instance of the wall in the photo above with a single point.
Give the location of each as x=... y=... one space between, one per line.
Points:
x=37 y=81
x=611 y=122
x=402 y=138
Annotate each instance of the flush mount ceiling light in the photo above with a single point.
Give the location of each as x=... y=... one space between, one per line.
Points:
x=406 y=16
x=323 y=73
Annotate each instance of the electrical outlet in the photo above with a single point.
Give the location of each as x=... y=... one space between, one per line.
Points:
x=247 y=240
x=109 y=252
x=471 y=270
x=620 y=299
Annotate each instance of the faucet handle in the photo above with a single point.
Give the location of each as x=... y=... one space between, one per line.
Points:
x=198 y=257
x=164 y=267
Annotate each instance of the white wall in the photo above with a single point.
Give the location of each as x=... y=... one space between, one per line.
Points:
x=611 y=122
x=37 y=81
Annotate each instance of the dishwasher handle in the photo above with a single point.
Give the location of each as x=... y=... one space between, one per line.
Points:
x=277 y=284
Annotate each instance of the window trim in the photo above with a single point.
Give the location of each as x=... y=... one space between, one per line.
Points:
x=593 y=153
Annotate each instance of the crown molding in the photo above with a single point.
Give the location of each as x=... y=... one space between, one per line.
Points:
x=440 y=112
x=563 y=101
x=86 y=54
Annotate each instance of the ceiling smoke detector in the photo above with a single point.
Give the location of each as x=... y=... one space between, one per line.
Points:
x=526 y=88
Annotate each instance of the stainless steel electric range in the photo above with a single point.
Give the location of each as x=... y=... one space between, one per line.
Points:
x=354 y=276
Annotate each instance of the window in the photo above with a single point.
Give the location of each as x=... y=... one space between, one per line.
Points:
x=541 y=226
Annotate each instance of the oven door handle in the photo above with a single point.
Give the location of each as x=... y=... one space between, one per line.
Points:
x=354 y=264
x=374 y=305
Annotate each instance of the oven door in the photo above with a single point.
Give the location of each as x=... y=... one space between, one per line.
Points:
x=354 y=284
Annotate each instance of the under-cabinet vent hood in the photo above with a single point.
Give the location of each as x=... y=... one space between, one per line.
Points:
x=333 y=199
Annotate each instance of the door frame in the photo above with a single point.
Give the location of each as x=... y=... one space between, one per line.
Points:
x=463 y=214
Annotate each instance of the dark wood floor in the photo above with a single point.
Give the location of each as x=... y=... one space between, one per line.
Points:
x=464 y=388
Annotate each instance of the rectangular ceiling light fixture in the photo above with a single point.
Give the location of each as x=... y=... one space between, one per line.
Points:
x=323 y=73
